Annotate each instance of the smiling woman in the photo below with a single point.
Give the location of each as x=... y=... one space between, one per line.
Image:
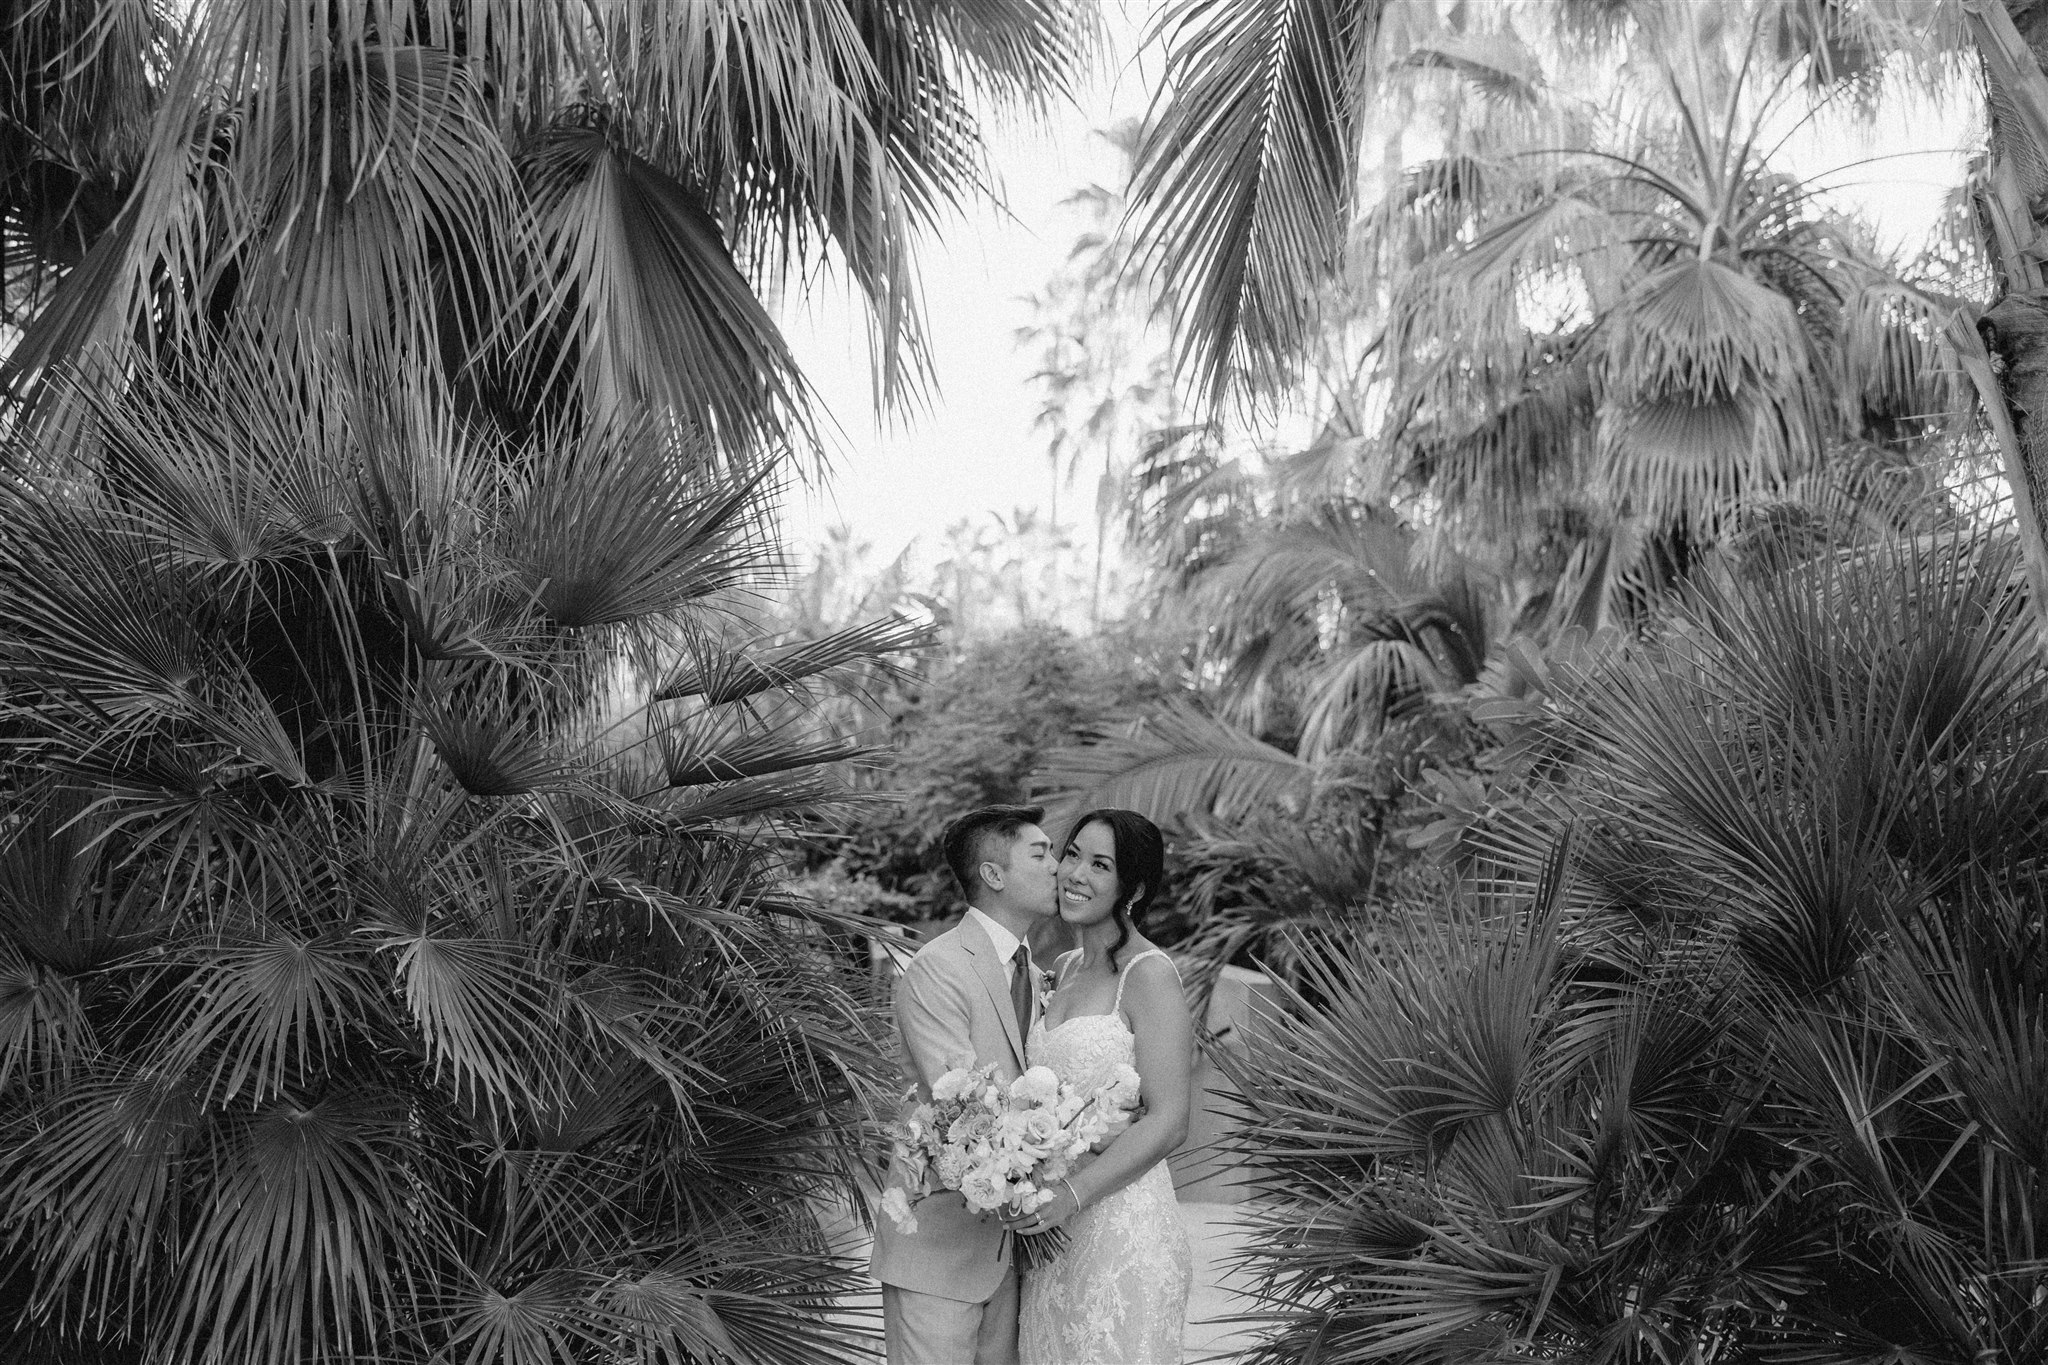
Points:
x=1118 y=1293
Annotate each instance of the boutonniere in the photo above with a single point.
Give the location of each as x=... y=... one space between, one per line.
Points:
x=1046 y=986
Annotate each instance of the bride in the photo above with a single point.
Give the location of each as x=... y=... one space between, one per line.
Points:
x=1118 y=1293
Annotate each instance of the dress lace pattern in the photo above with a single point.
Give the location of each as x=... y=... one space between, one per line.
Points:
x=1118 y=1293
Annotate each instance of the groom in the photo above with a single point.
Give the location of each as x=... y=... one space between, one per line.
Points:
x=949 y=1290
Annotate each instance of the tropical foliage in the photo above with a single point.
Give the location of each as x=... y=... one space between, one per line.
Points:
x=1754 y=1072
x=1593 y=344
x=366 y=993
x=1617 y=728
x=971 y=730
x=390 y=961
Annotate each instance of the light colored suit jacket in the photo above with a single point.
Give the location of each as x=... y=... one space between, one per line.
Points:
x=952 y=1001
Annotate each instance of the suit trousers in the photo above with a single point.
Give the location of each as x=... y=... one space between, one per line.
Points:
x=928 y=1329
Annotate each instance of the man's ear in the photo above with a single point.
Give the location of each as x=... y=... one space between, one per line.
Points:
x=991 y=875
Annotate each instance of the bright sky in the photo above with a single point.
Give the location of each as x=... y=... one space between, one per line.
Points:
x=973 y=450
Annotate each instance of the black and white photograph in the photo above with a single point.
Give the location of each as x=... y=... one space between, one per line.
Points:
x=1023 y=682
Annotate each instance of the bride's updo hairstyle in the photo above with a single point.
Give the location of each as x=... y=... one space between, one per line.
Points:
x=1140 y=865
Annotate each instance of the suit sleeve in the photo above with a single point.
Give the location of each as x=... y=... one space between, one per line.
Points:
x=932 y=1017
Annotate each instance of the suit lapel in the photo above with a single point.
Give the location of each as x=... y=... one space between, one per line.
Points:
x=995 y=980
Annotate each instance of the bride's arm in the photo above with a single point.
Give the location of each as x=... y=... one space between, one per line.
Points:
x=1166 y=1062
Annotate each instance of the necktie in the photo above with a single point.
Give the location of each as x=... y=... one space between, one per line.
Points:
x=1020 y=988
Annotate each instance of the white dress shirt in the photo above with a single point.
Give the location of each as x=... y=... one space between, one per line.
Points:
x=1005 y=941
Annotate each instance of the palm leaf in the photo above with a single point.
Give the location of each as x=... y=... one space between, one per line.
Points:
x=626 y=525
x=94 y=1200
x=260 y=1011
x=477 y=1003
x=660 y=312
x=734 y=675
x=307 y=1216
x=1246 y=177
x=1711 y=372
x=43 y=1024
x=698 y=759
x=85 y=608
x=391 y=174
x=1175 y=762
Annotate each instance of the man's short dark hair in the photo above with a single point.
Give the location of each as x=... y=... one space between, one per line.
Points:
x=967 y=838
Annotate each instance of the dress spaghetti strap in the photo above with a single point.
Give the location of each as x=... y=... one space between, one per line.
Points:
x=1123 y=975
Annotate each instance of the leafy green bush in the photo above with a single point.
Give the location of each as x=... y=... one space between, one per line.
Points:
x=973 y=734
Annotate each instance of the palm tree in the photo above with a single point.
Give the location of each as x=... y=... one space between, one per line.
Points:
x=1615 y=348
x=1736 y=1053
x=1103 y=381
x=1611 y=314
x=1322 y=628
x=392 y=967
x=548 y=202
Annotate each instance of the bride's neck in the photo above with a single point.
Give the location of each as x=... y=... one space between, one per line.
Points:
x=1096 y=941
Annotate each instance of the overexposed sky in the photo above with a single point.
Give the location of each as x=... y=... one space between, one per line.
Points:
x=972 y=451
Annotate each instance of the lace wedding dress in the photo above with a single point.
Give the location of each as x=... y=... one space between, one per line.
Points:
x=1118 y=1293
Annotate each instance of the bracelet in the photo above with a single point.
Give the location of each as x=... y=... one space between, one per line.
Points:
x=1070 y=1190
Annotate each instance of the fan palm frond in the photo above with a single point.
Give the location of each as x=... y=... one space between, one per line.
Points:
x=1177 y=761
x=612 y=528
x=660 y=311
x=1712 y=372
x=263 y=1009
x=311 y=1216
x=733 y=676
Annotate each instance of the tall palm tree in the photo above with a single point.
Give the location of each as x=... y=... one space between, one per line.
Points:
x=390 y=965
x=548 y=201
x=1613 y=310
x=1615 y=346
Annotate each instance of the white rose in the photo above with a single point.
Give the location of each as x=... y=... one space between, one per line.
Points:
x=1038 y=1130
x=896 y=1204
x=983 y=1188
x=1039 y=1085
x=1123 y=1087
x=970 y=1128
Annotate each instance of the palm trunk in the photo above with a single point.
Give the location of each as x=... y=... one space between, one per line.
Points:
x=2013 y=218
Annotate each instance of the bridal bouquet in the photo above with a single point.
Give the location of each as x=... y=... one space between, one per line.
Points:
x=1005 y=1148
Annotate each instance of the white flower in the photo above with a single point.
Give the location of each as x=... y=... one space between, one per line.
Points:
x=896 y=1204
x=1032 y=1131
x=952 y=1085
x=1123 y=1087
x=984 y=1189
x=952 y=1166
x=1038 y=1085
x=970 y=1128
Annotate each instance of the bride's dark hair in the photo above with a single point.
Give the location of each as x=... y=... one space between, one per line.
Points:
x=1140 y=851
